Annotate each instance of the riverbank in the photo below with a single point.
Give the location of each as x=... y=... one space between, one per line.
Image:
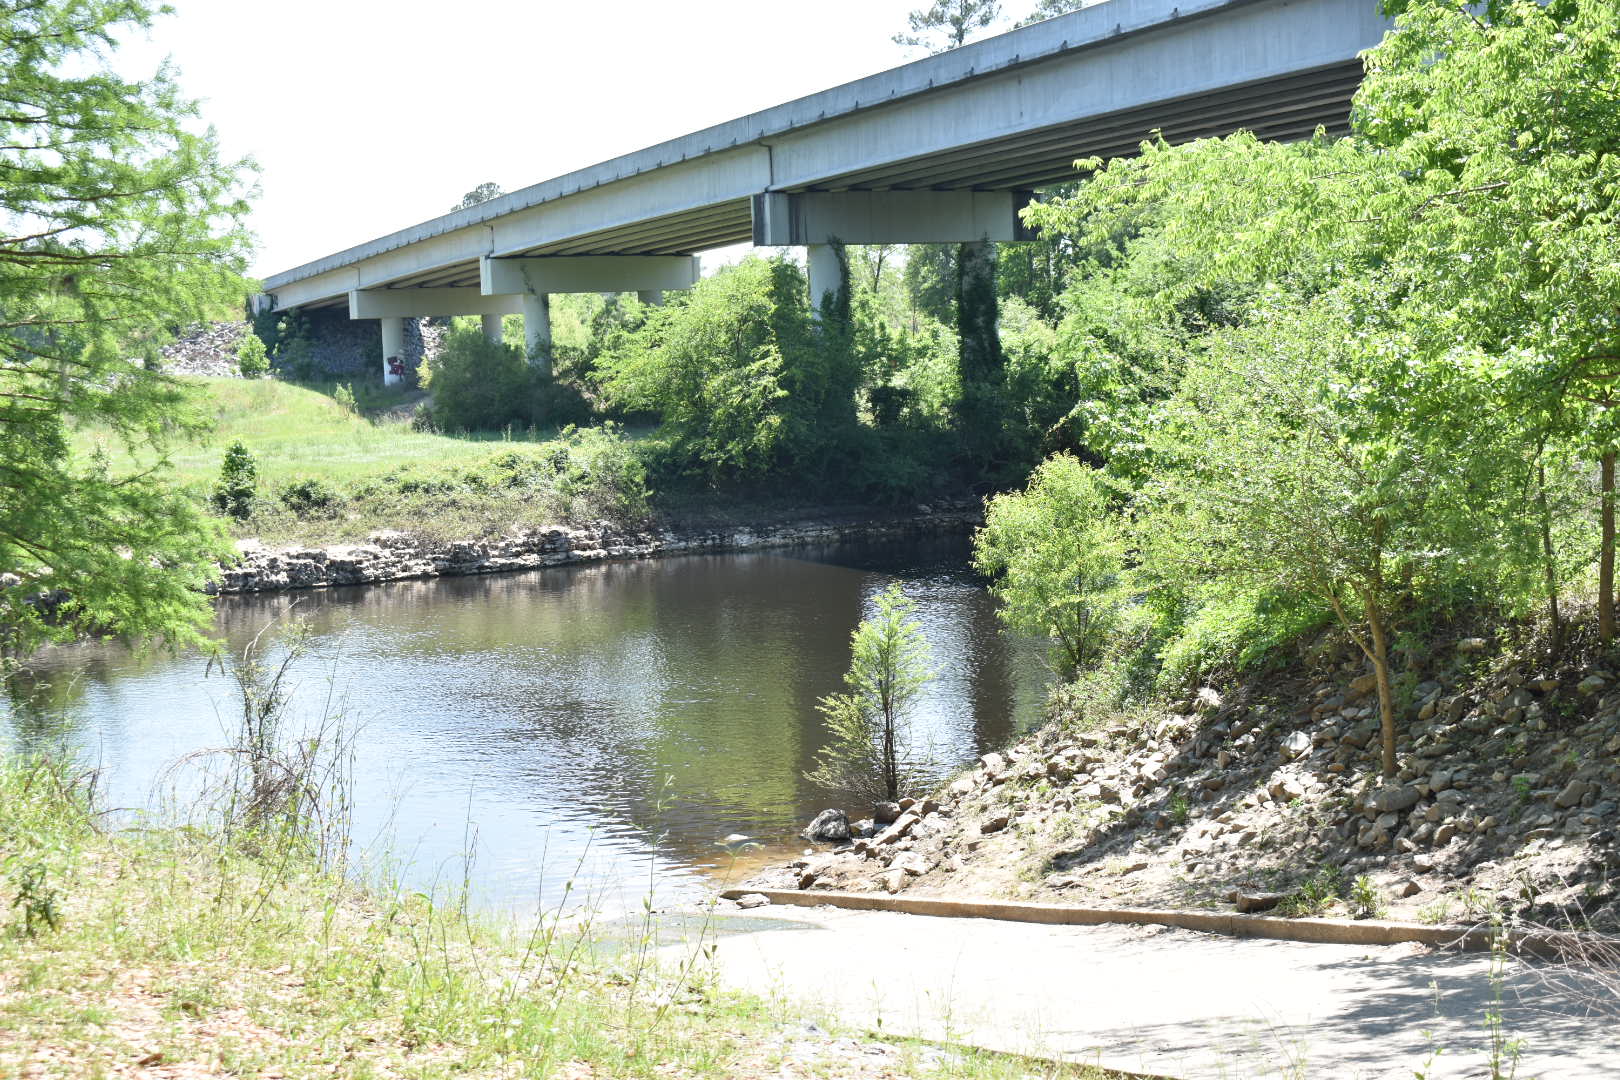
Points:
x=396 y=556
x=1264 y=794
x=186 y=952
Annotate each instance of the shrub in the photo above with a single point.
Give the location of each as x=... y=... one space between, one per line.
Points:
x=308 y=497
x=251 y=359
x=869 y=751
x=344 y=396
x=1057 y=555
x=235 y=493
x=480 y=385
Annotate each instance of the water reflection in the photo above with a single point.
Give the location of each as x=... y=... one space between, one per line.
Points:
x=617 y=719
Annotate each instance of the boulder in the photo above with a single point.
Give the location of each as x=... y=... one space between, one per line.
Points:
x=831 y=826
x=1390 y=799
x=1296 y=746
x=1361 y=686
x=896 y=831
x=885 y=813
x=1571 y=795
x=995 y=822
x=753 y=900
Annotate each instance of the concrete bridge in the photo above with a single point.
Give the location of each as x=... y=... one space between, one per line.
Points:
x=947 y=149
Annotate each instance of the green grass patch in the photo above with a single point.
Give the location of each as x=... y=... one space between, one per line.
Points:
x=337 y=461
x=295 y=430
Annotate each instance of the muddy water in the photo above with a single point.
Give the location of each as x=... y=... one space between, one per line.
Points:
x=604 y=724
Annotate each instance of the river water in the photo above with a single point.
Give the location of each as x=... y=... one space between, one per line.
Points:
x=606 y=724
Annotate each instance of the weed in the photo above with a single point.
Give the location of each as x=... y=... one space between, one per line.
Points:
x=35 y=899
x=1521 y=785
x=1180 y=808
x=1435 y=913
x=344 y=397
x=1365 y=900
x=1316 y=895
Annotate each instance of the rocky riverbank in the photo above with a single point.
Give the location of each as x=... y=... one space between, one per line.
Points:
x=1267 y=795
x=397 y=556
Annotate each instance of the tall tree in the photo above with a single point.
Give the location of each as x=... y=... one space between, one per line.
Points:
x=1051 y=9
x=483 y=193
x=948 y=24
x=940 y=27
x=118 y=223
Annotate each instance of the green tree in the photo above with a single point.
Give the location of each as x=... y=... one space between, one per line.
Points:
x=251 y=359
x=1056 y=554
x=237 y=488
x=1051 y=9
x=119 y=221
x=742 y=384
x=870 y=751
x=948 y=24
x=940 y=27
x=1509 y=125
x=483 y=193
x=1299 y=455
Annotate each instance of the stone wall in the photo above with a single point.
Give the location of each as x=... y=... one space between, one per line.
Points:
x=340 y=347
x=392 y=556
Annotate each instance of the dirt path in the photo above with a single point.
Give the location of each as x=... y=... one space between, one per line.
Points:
x=1173 y=1002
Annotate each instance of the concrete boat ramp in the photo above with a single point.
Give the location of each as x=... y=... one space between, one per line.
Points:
x=1177 y=1003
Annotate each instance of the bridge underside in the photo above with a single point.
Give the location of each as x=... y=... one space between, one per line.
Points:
x=1279 y=109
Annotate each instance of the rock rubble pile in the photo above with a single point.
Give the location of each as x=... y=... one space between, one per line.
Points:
x=395 y=556
x=1271 y=796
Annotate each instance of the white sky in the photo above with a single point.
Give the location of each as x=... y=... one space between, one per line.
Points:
x=366 y=116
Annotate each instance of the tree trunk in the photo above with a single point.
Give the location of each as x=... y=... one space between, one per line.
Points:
x=1606 y=552
x=1555 y=646
x=1386 y=691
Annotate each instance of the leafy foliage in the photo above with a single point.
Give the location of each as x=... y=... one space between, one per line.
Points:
x=120 y=222
x=480 y=385
x=870 y=751
x=1056 y=553
x=237 y=489
x=251 y=358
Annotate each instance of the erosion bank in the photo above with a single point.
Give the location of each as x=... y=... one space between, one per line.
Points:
x=398 y=556
x=1266 y=795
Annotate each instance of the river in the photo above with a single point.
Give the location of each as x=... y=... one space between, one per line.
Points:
x=603 y=724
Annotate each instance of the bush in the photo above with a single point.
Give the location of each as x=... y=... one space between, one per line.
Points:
x=480 y=385
x=309 y=497
x=235 y=493
x=344 y=396
x=1057 y=555
x=251 y=359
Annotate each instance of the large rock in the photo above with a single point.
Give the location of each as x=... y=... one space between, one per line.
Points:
x=1296 y=746
x=1391 y=799
x=829 y=827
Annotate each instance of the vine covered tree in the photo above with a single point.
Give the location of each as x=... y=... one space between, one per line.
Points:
x=119 y=221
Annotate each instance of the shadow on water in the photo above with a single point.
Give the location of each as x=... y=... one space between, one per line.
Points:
x=608 y=723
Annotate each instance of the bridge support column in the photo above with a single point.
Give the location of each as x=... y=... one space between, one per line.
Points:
x=826 y=272
x=650 y=297
x=537 y=329
x=393 y=347
x=492 y=328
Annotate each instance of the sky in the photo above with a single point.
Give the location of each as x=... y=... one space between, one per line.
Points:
x=366 y=116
